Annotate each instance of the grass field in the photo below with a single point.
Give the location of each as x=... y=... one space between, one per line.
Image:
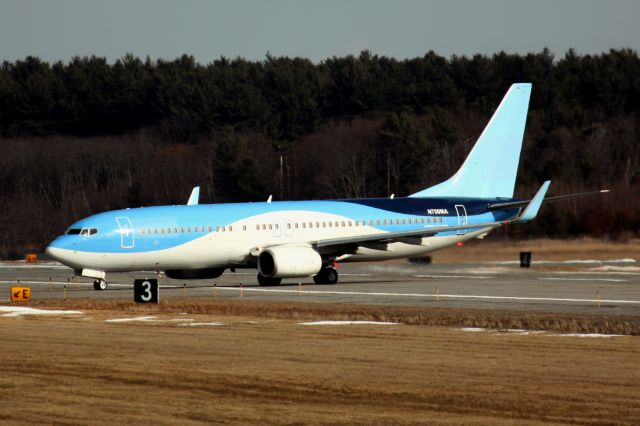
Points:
x=268 y=369
x=542 y=249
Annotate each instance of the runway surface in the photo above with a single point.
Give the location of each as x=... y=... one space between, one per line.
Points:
x=550 y=288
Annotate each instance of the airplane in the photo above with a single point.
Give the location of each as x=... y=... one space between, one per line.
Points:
x=287 y=239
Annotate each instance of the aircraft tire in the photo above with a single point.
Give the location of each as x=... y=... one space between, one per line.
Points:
x=267 y=281
x=99 y=285
x=327 y=275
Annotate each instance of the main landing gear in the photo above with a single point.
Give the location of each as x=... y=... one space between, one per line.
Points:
x=99 y=285
x=267 y=281
x=327 y=275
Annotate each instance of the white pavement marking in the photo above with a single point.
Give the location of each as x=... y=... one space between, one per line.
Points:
x=430 y=295
x=453 y=276
x=611 y=280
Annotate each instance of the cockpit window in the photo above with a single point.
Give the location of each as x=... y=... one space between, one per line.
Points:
x=85 y=232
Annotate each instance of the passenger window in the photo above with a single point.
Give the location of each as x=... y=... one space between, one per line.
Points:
x=257 y=227
x=148 y=231
x=384 y=221
x=224 y=229
x=342 y=223
x=377 y=221
x=264 y=227
x=324 y=224
x=440 y=219
x=230 y=228
x=349 y=223
x=288 y=226
x=296 y=225
x=304 y=225
x=317 y=224
x=162 y=231
x=370 y=221
x=142 y=231
x=330 y=224
x=270 y=226
x=155 y=230
x=244 y=227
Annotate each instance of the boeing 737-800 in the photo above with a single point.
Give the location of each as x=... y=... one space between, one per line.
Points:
x=305 y=238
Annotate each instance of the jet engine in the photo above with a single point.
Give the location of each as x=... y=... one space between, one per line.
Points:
x=289 y=261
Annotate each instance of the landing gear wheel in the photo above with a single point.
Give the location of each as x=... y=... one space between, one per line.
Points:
x=327 y=275
x=99 y=285
x=266 y=281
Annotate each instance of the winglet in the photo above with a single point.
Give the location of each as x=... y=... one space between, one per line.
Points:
x=531 y=210
x=195 y=196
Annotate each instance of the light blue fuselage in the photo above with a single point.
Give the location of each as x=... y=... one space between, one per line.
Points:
x=221 y=236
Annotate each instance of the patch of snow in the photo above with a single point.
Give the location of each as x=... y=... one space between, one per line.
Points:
x=525 y=332
x=609 y=268
x=15 y=311
x=199 y=324
x=148 y=319
x=349 y=323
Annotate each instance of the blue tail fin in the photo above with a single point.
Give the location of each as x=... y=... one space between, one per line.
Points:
x=491 y=167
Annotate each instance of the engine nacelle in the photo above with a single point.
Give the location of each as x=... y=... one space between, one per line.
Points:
x=289 y=262
x=194 y=274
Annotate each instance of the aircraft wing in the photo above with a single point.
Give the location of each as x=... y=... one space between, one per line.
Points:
x=529 y=213
x=387 y=237
x=526 y=215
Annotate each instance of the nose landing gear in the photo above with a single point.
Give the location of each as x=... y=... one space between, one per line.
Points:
x=99 y=285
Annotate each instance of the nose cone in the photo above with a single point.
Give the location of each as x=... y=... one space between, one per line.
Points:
x=57 y=250
x=54 y=253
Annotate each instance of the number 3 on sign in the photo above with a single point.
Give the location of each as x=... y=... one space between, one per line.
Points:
x=146 y=291
x=147 y=295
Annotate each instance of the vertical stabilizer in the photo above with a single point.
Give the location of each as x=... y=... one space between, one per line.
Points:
x=491 y=167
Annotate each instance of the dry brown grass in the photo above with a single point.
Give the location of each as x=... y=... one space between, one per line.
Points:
x=453 y=317
x=78 y=371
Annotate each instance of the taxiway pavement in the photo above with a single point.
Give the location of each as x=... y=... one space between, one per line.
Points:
x=592 y=288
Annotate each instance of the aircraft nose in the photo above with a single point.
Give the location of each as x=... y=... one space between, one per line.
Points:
x=53 y=253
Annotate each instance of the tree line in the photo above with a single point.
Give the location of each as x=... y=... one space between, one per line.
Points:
x=89 y=135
